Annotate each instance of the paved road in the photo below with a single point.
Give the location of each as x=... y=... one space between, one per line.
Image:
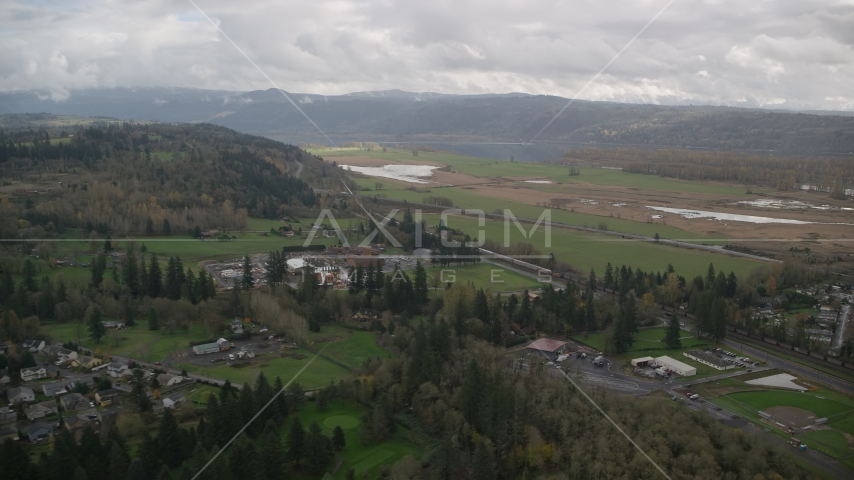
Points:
x=844 y=318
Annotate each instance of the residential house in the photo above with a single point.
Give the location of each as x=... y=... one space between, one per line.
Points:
x=65 y=355
x=10 y=433
x=167 y=379
x=21 y=395
x=33 y=345
x=74 y=402
x=7 y=416
x=112 y=324
x=41 y=409
x=236 y=326
x=54 y=389
x=39 y=432
x=118 y=369
x=33 y=373
x=76 y=424
x=365 y=314
x=106 y=397
x=85 y=361
x=172 y=401
x=4 y=376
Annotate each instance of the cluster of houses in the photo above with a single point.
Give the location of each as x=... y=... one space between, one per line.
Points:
x=832 y=302
x=48 y=406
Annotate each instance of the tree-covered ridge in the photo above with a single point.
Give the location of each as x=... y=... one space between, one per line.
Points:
x=152 y=178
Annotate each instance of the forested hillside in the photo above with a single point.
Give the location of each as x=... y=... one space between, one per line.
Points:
x=148 y=179
x=413 y=117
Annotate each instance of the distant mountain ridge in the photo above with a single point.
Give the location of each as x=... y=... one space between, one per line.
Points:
x=429 y=117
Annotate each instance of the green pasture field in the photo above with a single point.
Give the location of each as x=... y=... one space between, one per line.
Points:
x=350 y=347
x=319 y=374
x=480 y=275
x=488 y=168
x=364 y=459
x=138 y=342
x=469 y=199
x=590 y=250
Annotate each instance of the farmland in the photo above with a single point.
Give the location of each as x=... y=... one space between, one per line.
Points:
x=604 y=198
x=586 y=250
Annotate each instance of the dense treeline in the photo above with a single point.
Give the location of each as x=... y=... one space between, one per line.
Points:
x=784 y=173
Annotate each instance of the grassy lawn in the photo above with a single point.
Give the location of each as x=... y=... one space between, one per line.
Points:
x=349 y=347
x=828 y=442
x=823 y=407
x=199 y=394
x=264 y=224
x=317 y=375
x=590 y=250
x=138 y=342
x=485 y=276
x=645 y=340
x=365 y=459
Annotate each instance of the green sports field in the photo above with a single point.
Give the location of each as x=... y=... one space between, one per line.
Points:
x=828 y=406
x=486 y=276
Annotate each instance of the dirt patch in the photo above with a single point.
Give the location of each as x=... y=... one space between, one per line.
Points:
x=792 y=416
x=850 y=439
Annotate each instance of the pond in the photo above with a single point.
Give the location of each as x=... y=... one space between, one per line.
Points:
x=402 y=172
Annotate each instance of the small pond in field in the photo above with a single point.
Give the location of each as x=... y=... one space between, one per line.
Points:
x=402 y=172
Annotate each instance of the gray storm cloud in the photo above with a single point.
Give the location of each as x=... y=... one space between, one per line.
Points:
x=774 y=54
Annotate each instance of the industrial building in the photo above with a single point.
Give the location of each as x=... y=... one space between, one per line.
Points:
x=548 y=347
x=708 y=359
x=642 y=362
x=205 y=348
x=676 y=366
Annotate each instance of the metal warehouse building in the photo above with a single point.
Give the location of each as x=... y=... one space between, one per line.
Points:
x=205 y=348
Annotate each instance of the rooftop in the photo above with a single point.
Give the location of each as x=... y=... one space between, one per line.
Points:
x=546 y=344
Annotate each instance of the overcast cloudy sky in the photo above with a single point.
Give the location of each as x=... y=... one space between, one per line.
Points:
x=790 y=54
